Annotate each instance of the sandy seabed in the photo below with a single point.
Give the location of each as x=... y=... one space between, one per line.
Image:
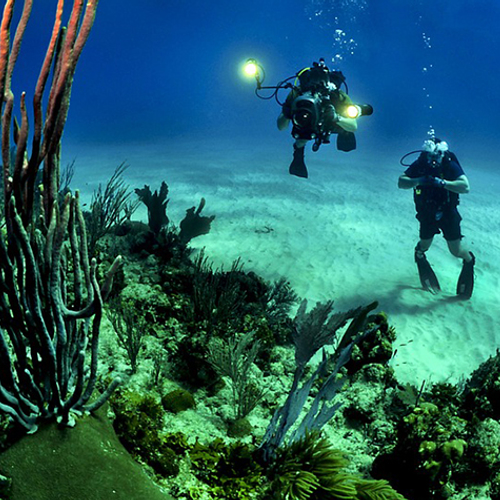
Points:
x=346 y=233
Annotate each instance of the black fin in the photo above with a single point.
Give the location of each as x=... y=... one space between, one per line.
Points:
x=346 y=141
x=465 y=284
x=298 y=166
x=428 y=277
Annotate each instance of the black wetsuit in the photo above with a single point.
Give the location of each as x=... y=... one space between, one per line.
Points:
x=437 y=207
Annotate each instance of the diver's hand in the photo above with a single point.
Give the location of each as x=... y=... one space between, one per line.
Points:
x=431 y=181
x=330 y=115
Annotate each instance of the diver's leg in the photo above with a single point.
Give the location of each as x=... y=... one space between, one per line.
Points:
x=458 y=249
x=428 y=278
x=465 y=284
x=424 y=244
x=453 y=235
x=298 y=166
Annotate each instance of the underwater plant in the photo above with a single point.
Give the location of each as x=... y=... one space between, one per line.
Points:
x=130 y=329
x=233 y=359
x=217 y=296
x=481 y=393
x=164 y=239
x=138 y=420
x=157 y=206
x=228 y=470
x=213 y=303
x=310 y=469
x=194 y=224
x=45 y=326
x=312 y=331
x=278 y=301
x=110 y=206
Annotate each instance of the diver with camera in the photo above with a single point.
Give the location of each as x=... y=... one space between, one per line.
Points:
x=317 y=108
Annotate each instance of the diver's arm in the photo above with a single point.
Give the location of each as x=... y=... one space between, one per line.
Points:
x=341 y=102
x=282 y=122
x=348 y=124
x=405 y=182
x=286 y=111
x=460 y=185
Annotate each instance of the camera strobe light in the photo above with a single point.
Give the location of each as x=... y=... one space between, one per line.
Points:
x=353 y=111
x=251 y=68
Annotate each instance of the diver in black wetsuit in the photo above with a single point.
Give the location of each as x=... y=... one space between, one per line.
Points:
x=318 y=108
x=437 y=179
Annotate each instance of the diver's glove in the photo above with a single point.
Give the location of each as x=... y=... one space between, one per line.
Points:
x=330 y=115
x=430 y=181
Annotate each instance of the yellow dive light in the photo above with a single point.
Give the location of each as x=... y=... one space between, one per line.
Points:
x=251 y=67
x=353 y=111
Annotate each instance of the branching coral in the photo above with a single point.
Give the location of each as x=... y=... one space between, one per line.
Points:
x=45 y=326
x=194 y=224
x=157 y=206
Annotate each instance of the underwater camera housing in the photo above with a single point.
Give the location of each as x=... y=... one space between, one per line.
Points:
x=315 y=117
x=306 y=114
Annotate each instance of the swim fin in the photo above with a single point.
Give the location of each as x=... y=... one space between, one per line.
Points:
x=298 y=166
x=428 y=277
x=465 y=284
x=346 y=141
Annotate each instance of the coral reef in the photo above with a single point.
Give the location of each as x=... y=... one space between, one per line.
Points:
x=137 y=423
x=85 y=462
x=157 y=206
x=310 y=469
x=178 y=400
x=194 y=224
x=482 y=390
x=209 y=330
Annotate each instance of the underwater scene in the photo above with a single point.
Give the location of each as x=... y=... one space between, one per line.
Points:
x=250 y=250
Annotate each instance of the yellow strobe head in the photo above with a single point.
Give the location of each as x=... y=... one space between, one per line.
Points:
x=353 y=111
x=251 y=68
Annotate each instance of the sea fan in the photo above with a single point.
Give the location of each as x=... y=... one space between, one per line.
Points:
x=297 y=485
x=337 y=487
x=376 y=490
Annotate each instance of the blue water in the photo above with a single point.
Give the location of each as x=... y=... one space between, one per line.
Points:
x=158 y=69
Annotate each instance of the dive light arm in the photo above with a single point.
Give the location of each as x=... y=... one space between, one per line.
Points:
x=348 y=124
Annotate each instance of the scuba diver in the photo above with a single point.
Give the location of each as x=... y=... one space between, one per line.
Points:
x=317 y=108
x=437 y=180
